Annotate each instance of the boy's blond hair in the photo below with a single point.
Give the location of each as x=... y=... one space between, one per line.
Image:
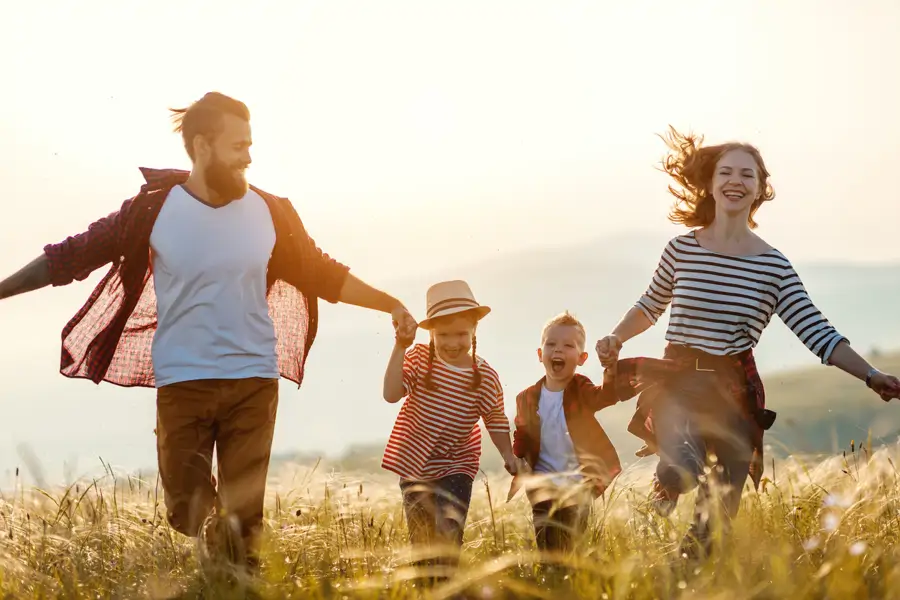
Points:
x=565 y=319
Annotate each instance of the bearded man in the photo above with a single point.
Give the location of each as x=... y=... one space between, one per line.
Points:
x=211 y=298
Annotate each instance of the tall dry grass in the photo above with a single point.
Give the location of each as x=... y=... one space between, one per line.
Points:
x=824 y=529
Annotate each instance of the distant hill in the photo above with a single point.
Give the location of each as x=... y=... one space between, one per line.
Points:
x=823 y=409
x=820 y=410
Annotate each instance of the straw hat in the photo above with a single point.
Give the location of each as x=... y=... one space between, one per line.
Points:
x=451 y=298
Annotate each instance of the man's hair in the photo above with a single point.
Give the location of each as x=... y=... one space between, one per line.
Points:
x=565 y=319
x=204 y=117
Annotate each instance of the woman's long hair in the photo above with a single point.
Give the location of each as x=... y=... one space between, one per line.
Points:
x=692 y=166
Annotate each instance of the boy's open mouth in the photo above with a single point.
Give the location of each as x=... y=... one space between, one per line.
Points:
x=557 y=365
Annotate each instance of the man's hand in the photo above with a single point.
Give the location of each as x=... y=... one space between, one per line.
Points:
x=404 y=341
x=33 y=276
x=405 y=325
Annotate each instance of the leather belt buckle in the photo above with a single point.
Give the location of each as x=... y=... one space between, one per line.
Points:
x=697 y=367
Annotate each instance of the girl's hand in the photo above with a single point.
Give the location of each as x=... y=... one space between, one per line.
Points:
x=886 y=386
x=511 y=464
x=608 y=350
x=404 y=323
x=402 y=337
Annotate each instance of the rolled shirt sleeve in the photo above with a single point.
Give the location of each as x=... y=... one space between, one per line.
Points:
x=77 y=256
x=305 y=266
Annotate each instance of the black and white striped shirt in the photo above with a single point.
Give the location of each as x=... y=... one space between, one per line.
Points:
x=721 y=304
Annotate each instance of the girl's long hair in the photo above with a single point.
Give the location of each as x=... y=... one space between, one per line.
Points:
x=692 y=166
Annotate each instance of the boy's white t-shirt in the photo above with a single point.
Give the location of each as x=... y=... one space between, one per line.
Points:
x=557 y=453
x=209 y=274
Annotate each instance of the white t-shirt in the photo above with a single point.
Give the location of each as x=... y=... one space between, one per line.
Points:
x=209 y=273
x=557 y=450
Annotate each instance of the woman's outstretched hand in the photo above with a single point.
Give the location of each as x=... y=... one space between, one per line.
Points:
x=608 y=350
x=886 y=386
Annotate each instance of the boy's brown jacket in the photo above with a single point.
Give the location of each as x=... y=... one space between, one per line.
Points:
x=581 y=399
x=639 y=376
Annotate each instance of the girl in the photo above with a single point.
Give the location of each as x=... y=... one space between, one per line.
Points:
x=435 y=446
x=724 y=283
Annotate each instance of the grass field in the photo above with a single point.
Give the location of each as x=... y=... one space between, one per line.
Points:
x=824 y=529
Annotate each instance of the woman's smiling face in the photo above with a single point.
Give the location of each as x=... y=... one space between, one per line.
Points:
x=736 y=182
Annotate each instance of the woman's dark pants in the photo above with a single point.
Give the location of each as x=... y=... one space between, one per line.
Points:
x=704 y=440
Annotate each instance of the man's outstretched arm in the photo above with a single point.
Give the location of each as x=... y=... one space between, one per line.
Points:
x=32 y=276
x=302 y=264
x=73 y=259
x=358 y=293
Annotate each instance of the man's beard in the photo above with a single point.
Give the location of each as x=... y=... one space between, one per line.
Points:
x=226 y=181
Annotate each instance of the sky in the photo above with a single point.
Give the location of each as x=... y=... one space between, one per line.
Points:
x=416 y=135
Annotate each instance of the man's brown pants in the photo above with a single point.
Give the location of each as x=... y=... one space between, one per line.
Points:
x=237 y=416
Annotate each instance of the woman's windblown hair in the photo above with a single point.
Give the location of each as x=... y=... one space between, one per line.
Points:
x=692 y=166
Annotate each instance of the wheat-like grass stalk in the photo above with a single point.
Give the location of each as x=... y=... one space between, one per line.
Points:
x=818 y=528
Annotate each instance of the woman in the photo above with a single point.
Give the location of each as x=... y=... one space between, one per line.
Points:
x=723 y=283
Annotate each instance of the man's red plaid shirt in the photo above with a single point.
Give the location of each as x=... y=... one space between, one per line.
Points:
x=110 y=338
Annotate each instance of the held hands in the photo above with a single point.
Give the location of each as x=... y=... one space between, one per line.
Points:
x=608 y=350
x=511 y=464
x=405 y=326
x=886 y=386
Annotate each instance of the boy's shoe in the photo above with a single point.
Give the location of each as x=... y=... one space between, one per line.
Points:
x=663 y=500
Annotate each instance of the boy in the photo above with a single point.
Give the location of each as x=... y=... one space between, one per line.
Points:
x=559 y=438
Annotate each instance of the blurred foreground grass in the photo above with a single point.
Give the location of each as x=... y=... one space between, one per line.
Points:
x=827 y=529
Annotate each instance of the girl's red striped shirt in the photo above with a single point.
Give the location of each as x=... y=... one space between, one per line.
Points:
x=436 y=433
